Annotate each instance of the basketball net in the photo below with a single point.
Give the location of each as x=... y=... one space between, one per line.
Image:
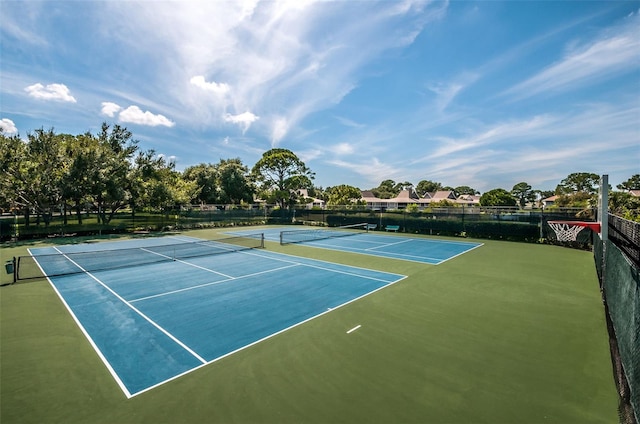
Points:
x=565 y=231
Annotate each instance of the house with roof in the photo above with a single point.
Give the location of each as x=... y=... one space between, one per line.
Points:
x=373 y=202
x=441 y=195
x=549 y=201
x=468 y=200
x=409 y=196
x=315 y=203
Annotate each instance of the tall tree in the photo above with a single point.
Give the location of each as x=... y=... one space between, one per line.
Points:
x=386 y=190
x=14 y=177
x=632 y=183
x=523 y=193
x=460 y=190
x=281 y=173
x=343 y=195
x=234 y=182
x=205 y=175
x=579 y=182
x=497 y=197
x=45 y=168
x=82 y=154
x=110 y=183
x=426 y=186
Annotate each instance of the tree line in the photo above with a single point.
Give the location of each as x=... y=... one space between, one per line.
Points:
x=577 y=190
x=50 y=173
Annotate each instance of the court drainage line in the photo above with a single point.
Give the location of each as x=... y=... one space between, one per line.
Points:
x=171 y=336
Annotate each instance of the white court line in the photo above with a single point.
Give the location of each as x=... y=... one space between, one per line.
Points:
x=93 y=344
x=329 y=269
x=212 y=283
x=354 y=329
x=389 y=244
x=468 y=250
x=246 y=252
x=171 y=336
x=388 y=255
x=187 y=263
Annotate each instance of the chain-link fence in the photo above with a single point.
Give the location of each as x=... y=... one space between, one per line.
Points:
x=620 y=280
x=479 y=222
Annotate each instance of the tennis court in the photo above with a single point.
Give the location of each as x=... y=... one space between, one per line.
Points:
x=422 y=250
x=182 y=305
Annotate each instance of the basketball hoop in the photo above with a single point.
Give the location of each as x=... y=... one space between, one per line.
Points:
x=569 y=230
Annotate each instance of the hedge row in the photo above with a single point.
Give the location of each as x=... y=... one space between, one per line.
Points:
x=502 y=230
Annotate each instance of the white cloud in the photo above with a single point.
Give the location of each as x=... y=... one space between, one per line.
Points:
x=343 y=149
x=134 y=115
x=110 y=109
x=307 y=156
x=244 y=119
x=214 y=87
x=168 y=159
x=7 y=126
x=58 y=92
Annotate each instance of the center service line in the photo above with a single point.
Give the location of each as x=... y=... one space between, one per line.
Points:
x=354 y=328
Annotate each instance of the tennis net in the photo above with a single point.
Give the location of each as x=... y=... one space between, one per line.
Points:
x=301 y=236
x=51 y=265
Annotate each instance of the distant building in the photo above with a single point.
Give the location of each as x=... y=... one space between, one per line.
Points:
x=469 y=199
x=315 y=203
x=408 y=197
x=549 y=201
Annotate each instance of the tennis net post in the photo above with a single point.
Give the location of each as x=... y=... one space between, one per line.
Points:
x=10 y=268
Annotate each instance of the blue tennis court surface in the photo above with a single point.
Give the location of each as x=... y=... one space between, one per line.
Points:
x=423 y=250
x=152 y=323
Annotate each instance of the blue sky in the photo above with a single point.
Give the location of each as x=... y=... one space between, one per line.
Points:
x=484 y=94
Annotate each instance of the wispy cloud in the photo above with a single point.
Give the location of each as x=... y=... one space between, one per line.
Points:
x=57 y=92
x=343 y=149
x=539 y=146
x=25 y=27
x=348 y=122
x=279 y=128
x=371 y=169
x=615 y=51
x=501 y=132
x=285 y=67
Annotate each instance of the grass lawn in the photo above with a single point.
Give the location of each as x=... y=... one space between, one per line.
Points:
x=506 y=333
